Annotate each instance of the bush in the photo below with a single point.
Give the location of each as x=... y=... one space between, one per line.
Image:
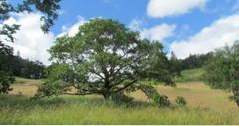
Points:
x=5 y=81
x=161 y=100
x=152 y=93
x=180 y=101
x=49 y=88
x=120 y=97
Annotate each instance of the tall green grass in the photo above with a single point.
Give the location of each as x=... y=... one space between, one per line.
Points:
x=81 y=110
x=215 y=107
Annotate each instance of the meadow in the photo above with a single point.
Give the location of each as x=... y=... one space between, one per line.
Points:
x=204 y=106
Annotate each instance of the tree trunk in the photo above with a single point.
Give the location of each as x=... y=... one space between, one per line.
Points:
x=106 y=96
x=106 y=93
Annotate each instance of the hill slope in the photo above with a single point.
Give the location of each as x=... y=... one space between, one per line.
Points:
x=191 y=75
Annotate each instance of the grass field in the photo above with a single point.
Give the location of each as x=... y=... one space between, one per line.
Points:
x=191 y=75
x=205 y=106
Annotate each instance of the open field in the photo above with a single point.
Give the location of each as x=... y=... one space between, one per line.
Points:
x=205 y=106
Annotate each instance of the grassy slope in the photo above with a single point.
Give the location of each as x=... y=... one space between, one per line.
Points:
x=205 y=106
x=191 y=75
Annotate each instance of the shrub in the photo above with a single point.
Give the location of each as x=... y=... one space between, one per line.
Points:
x=152 y=93
x=120 y=97
x=180 y=101
x=49 y=88
x=5 y=81
x=161 y=100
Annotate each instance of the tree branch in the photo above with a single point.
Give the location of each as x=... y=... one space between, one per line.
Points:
x=126 y=86
x=88 y=93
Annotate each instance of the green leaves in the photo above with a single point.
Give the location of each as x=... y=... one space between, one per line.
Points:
x=48 y=8
x=5 y=81
x=152 y=94
x=222 y=70
x=106 y=58
x=50 y=88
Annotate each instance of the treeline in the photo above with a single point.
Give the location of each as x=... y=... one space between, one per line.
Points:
x=26 y=68
x=195 y=61
x=17 y=66
x=191 y=62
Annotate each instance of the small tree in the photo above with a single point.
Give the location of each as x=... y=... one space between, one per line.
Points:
x=222 y=71
x=105 y=58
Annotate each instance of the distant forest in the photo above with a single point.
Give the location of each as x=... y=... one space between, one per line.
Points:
x=18 y=66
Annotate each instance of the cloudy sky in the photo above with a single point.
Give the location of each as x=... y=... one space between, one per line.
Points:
x=183 y=26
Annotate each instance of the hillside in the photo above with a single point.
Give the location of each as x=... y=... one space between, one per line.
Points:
x=205 y=106
x=191 y=75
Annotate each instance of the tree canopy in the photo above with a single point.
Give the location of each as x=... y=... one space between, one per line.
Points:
x=222 y=71
x=105 y=58
x=48 y=8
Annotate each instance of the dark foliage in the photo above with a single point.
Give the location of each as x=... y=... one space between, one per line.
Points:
x=222 y=71
x=161 y=100
x=175 y=65
x=27 y=69
x=18 y=66
x=180 y=101
x=120 y=97
x=6 y=78
x=195 y=61
x=5 y=81
x=152 y=94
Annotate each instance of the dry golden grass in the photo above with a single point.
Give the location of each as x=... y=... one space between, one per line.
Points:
x=205 y=106
x=26 y=87
x=197 y=94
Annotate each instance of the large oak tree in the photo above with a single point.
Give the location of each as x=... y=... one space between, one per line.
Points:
x=104 y=58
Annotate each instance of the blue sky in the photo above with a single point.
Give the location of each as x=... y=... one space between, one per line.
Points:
x=183 y=26
x=127 y=10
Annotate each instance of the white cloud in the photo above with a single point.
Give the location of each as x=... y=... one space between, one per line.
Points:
x=164 y=8
x=220 y=33
x=158 y=32
x=30 y=40
x=74 y=29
